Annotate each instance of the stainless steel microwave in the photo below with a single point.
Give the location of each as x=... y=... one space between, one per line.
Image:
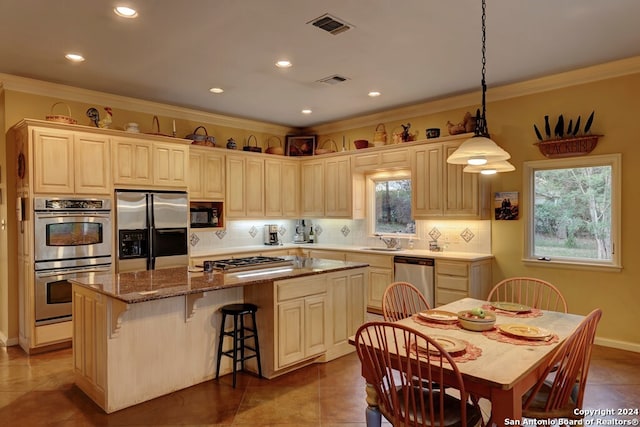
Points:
x=204 y=217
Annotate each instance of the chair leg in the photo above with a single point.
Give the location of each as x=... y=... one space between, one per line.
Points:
x=256 y=343
x=235 y=349
x=220 y=341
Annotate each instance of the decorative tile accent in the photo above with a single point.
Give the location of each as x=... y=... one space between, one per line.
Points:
x=467 y=235
x=194 y=239
x=282 y=230
x=317 y=229
x=221 y=234
x=435 y=233
x=345 y=231
x=253 y=231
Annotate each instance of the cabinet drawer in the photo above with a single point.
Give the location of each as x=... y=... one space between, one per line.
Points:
x=452 y=282
x=382 y=261
x=291 y=289
x=452 y=268
x=445 y=296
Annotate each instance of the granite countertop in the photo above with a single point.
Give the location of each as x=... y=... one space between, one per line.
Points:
x=422 y=253
x=141 y=286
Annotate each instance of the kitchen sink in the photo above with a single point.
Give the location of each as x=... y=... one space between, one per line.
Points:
x=382 y=249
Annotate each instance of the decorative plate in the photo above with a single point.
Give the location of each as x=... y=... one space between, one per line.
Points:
x=525 y=331
x=511 y=306
x=451 y=345
x=439 y=316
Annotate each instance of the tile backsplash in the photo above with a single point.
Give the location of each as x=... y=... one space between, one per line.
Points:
x=455 y=236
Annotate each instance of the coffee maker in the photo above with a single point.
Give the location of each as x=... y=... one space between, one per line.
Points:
x=271 y=235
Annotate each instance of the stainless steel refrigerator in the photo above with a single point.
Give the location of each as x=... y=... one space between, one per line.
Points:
x=152 y=230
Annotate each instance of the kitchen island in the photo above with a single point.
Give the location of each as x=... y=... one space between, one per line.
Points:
x=140 y=335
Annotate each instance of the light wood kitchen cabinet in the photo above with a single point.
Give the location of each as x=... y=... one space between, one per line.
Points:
x=325 y=254
x=144 y=163
x=302 y=314
x=312 y=189
x=426 y=181
x=244 y=186
x=466 y=194
x=170 y=164
x=444 y=190
x=381 y=160
x=132 y=162
x=69 y=162
x=461 y=279
x=338 y=185
x=206 y=174
x=281 y=188
x=380 y=276
x=347 y=301
x=308 y=319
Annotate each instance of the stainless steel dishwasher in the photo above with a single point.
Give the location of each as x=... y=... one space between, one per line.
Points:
x=417 y=271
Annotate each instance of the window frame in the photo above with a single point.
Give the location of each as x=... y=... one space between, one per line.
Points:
x=370 y=209
x=530 y=167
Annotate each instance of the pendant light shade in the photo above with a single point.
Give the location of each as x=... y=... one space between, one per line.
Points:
x=490 y=168
x=479 y=152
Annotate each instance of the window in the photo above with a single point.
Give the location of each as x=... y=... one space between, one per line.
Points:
x=390 y=204
x=573 y=210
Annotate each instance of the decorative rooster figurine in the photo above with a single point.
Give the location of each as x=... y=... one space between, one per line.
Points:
x=106 y=122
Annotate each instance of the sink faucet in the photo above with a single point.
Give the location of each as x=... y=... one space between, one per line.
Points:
x=391 y=242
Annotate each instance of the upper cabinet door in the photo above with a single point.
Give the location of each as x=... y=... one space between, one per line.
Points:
x=312 y=189
x=53 y=161
x=170 y=163
x=92 y=159
x=71 y=162
x=426 y=180
x=132 y=162
x=206 y=174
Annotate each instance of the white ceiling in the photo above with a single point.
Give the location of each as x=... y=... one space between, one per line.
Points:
x=410 y=50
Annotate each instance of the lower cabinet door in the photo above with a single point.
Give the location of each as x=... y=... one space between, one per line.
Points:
x=290 y=332
x=315 y=321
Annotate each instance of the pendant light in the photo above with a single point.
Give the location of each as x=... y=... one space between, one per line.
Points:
x=480 y=151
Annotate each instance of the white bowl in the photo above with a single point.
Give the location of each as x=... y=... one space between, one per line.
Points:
x=475 y=323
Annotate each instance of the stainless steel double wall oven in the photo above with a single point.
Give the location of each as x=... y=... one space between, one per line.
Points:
x=72 y=236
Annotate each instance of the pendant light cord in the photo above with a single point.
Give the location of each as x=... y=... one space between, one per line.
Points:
x=481 y=119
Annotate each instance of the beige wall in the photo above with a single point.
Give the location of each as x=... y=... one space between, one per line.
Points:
x=510 y=122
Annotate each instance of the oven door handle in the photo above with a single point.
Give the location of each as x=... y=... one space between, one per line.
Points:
x=70 y=214
x=64 y=271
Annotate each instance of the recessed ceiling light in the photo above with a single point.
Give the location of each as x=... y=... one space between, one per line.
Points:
x=74 y=57
x=306 y=111
x=374 y=93
x=125 y=12
x=216 y=90
x=283 y=63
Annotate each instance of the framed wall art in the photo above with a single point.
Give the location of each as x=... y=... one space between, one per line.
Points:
x=300 y=145
x=506 y=205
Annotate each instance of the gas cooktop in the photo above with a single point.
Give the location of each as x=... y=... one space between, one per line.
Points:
x=249 y=263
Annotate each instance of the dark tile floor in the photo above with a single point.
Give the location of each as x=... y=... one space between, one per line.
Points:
x=39 y=391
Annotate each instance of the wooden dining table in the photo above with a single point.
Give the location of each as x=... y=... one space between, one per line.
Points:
x=506 y=367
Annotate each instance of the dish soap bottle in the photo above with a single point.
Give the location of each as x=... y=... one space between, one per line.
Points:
x=312 y=235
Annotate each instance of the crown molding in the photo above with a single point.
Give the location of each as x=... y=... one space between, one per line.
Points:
x=576 y=77
x=70 y=93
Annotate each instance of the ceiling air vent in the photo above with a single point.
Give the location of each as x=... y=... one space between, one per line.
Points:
x=333 y=80
x=330 y=24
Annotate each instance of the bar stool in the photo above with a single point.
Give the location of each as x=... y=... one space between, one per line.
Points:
x=240 y=333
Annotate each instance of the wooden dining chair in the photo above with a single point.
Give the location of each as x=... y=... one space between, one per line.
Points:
x=400 y=300
x=560 y=390
x=529 y=291
x=392 y=356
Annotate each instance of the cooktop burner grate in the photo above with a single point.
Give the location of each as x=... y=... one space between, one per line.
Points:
x=249 y=263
